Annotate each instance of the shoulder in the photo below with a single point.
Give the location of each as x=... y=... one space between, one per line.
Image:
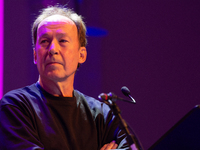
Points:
x=21 y=95
x=95 y=105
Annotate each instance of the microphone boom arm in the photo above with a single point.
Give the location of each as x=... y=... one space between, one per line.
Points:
x=131 y=139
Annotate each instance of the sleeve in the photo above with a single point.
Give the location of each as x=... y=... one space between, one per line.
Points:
x=17 y=130
x=113 y=131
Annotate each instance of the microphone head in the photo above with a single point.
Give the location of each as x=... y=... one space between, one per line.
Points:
x=125 y=91
x=111 y=94
x=103 y=96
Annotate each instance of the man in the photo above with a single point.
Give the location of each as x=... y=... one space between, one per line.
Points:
x=50 y=114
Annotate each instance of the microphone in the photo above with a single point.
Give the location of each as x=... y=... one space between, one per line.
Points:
x=111 y=96
x=127 y=93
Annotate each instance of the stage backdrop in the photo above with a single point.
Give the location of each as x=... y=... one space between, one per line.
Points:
x=152 y=47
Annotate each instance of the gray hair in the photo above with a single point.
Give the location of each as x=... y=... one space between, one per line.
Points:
x=61 y=10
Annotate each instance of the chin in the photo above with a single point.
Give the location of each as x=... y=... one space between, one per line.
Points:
x=56 y=76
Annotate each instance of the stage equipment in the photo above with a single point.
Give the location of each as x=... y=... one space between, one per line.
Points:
x=184 y=135
x=110 y=100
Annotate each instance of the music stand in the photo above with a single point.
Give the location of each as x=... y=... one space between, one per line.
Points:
x=184 y=135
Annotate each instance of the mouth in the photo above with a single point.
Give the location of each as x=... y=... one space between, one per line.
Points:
x=53 y=63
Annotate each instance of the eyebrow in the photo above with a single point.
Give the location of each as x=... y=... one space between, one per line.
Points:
x=59 y=34
x=62 y=34
x=43 y=35
x=47 y=35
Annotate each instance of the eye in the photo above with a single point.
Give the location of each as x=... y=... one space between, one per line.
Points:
x=63 y=41
x=44 y=42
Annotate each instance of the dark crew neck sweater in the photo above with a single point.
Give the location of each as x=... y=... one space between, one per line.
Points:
x=31 y=118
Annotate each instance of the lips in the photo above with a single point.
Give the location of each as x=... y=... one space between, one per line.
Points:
x=53 y=63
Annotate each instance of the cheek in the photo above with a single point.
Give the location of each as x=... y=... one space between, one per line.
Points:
x=40 y=57
x=71 y=59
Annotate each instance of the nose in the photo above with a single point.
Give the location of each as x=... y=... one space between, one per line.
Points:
x=54 y=48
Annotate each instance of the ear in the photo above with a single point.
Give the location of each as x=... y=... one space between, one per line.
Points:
x=34 y=56
x=82 y=55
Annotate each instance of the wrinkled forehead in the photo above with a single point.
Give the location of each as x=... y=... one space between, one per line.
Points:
x=56 y=19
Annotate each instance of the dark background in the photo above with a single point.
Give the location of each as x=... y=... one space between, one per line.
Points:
x=152 y=47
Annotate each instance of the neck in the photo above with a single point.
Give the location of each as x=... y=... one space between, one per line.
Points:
x=64 y=88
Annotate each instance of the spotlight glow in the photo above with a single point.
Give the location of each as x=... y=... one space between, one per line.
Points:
x=1 y=47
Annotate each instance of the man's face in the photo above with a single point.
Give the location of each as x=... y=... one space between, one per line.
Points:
x=57 y=51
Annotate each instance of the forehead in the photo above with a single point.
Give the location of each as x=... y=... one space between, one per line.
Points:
x=56 y=22
x=56 y=19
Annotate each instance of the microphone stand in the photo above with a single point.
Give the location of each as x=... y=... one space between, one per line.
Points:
x=131 y=139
